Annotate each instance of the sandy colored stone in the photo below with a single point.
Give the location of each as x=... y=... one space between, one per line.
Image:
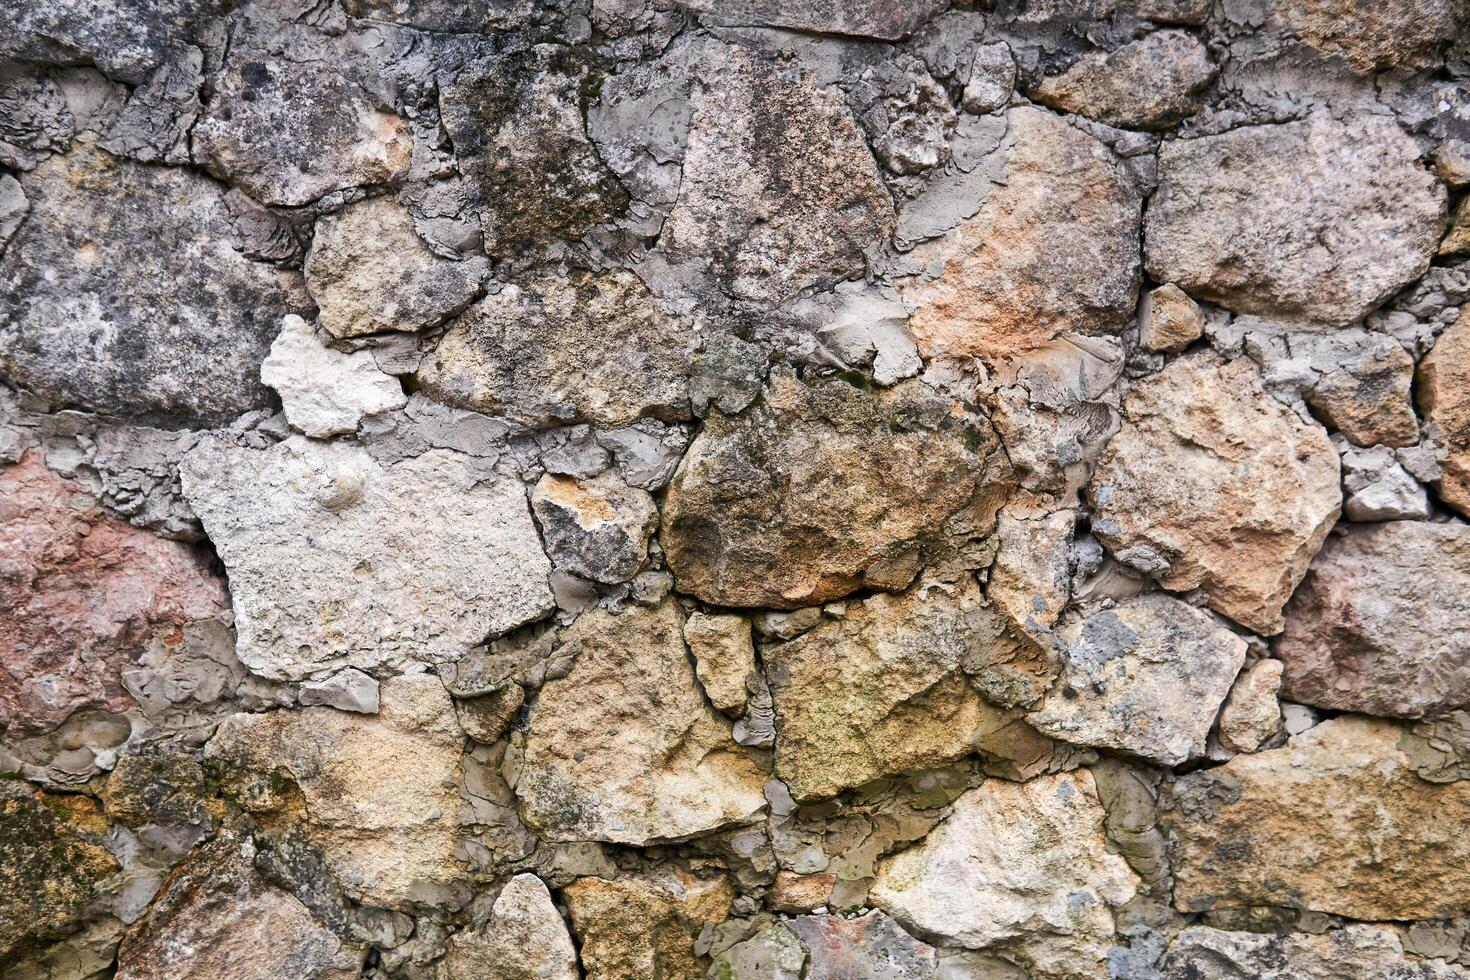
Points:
x=818 y=490
x=792 y=892
x=724 y=657
x=326 y=392
x=574 y=347
x=82 y=596
x=1352 y=952
x=1053 y=251
x=1022 y=867
x=369 y=271
x=1456 y=241
x=1379 y=624
x=642 y=926
x=1150 y=83
x=1147 y=677
x=377 y=790
x=106 y=247
x=624 y=748
x=216 y=917
x=1031 y=579
x=524 y=939
x=1373 y=37
x=335 y=560
x=1366 y=397
x=779 y=190
x=1336 y=821
x=596 y=528
x=1168 y=320
x=1211 y=483
x=1252 y=712
x=1443 y=394
x=1316 y=220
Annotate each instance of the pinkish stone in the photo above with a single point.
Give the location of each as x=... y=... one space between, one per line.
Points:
x=81 y=594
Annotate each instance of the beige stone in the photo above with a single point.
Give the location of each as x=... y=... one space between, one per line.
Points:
x=724 y=657
x=1373 y=36
x=624 y=748
x=645 y=926
x=1211 y=483
x=1252 y=712
x=1366 y=396
x=524 y=939
x=1335 y=821
x=1457 y=240
x=326 y=392
x=1150 y=83
x=1031 y=579
x=1168 y=320
x=821 y=489
x=1443 y=393
x=792 y=892
x=1054 y=251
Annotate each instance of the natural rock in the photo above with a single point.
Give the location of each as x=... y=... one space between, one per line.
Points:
x=1168 y=320
x=216 y=917
x=82 y=596
x=992 y=78
x=774 y=953
x=565 y=348
x=1030 y=580
x=1252 y=713
x=1378 y=488
x=376 y=791
x=1146 y=677
x=597 y=528
x=1366 y=397
x=126 y=39
x=1457 y=239
x=1373 y=37
x=107 y=245
x=724 y=658
x=870 y=946
x=864 y=18
x=792 y=892
x=1336 y=821
x=326 y=392
x=818 y=490
x=336 y=561
x=1378 y=623
x=1316 y=220
x=1243 y=517
x=524 y=939
x=624 y=748
x=1068 y=218
x=346 y=690
x=1443 y=394
x=1022 y=867
x=645 y=926
x=1150 y=83
x=288 y=132
x=779 y=191
x=1354 y=951
x=369 y=271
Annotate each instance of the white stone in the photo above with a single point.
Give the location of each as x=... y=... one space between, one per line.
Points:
x=324 y=391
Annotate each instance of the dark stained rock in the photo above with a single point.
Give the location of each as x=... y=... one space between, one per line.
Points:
x=127 y=39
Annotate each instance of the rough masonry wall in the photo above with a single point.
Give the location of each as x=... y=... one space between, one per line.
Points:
x=746 y=489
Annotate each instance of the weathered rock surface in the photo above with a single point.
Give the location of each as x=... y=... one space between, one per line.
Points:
x=645 y=926
x=126 y=39
x=371 y=565
x=774 y=953
x=779 y=190
x=1146 y=677
x=1336 y=821
x=724 y=658
x=326 y=392
x=216 y=917
x=1053 y=251
x=863 y=18
x=1252 y=712
x=818 y=490
x=1379 y=624
x=870 y=946
x=1378 y=488
x=1315 y=220
x=1443 y=393
x=376 y=791
x=1366 y=397
x=565 y=348
x=82 y=595
x=1202 y=953
x=1150 y=83
x=1372 y=37
x=1213 y=484
x=369 y=271
x=624 y=748
x=1030 y=579
x=1018 y=866
x=524 y=939
x=109 y=244
x=597 y=528
x=1168 y=320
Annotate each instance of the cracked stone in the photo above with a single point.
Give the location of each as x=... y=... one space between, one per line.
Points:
x=524 y=939
x=1378 y=488
x=326 y=392
x=643 y=926
x=1252 y=713
x=724 y=658
x=1443 y=391
x=1150 y=83
x=597 y=528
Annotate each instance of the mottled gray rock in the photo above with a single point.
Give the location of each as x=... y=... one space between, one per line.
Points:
x=346 y=690
x=524 y=939
x=1377 y=488
x=992 y=78
x=565 y=347
x=369 y=271
x=1372 y=37
x=779 y=190
x=1365 y=395
x=724 y=658
x=1252 y=714
x=822 y=489
x=1378 y=625
x=154 y=124
x=107 y=246
x=1350 y=953
x=127 y=39
x=774 y=953
x=326 y=392
x=446 y=15
x=337 y=561
x=1168 y=320
x=864 y=18
x=1317 y=220
x=13 y=208
x=35 y=117
x=597 y=528
x=869 y=947
x=1150 y=83
x=1146 y=677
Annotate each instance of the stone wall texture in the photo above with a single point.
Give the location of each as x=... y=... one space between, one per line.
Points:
x=735 y=489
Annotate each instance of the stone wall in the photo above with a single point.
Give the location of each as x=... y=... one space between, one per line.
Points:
x=747 y=489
